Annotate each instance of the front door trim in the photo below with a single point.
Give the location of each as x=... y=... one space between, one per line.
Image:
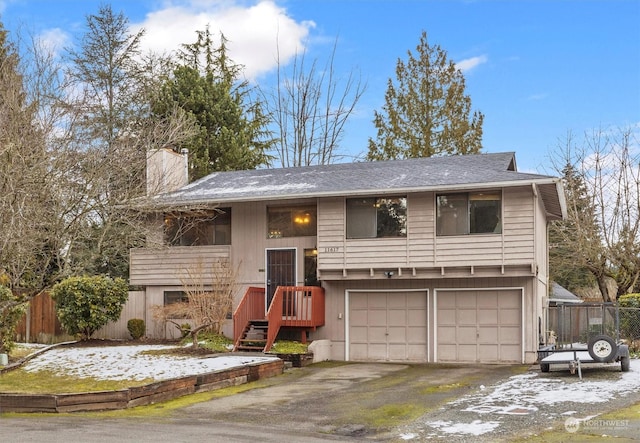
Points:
x=267 y=271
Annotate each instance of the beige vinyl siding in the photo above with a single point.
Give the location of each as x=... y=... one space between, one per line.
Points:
x=420 y=229
x=469 y=250
x=331 y=233
x=518 y=225
x=149 y=266
x=422 y=248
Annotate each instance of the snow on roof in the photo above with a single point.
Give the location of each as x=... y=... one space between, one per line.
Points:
x=394 y=176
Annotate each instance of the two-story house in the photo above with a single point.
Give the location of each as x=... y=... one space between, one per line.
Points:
x=439 y=259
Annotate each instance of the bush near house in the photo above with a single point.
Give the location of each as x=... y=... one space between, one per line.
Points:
x=136 y=328
x=85 y=304
x=10 y=314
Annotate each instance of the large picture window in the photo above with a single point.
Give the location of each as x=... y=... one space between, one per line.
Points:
x=376 y=217
x=291 y=221
x=469 y=213
x=199 y=230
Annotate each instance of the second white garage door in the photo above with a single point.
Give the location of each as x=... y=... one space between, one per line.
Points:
x=388 y=326
x=479 y=326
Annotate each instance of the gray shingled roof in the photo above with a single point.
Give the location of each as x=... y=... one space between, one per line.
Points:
x=401 y=176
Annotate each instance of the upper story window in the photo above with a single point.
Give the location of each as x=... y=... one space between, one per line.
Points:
x=291 y=221
x=376 y=217
x=469 y=213
x=199 y=230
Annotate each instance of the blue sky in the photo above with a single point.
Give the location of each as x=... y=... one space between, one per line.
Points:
x=536 y=69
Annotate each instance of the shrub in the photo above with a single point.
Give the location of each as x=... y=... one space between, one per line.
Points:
x=11 y=311
x=136 y=328
x=85 y=304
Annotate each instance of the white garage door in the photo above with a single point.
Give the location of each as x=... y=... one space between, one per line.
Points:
x=388 y=326
x=479 y=326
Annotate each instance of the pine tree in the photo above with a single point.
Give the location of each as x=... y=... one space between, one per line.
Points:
x=231 y=131
x=426 y=111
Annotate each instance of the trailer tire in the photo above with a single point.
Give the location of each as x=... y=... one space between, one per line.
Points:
x=544 y=367
x=624 y=364
x=602 y=348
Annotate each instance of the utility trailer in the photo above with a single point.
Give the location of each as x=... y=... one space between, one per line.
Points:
x=583 y=333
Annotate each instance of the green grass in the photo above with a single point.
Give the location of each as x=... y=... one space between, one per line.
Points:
x=47 y=382
x=289 y=347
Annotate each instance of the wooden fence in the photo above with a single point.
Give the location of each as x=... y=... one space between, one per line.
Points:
x=41 y=325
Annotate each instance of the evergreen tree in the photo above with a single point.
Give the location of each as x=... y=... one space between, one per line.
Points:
x=566 y=257
x=426 y=111
x=231 y=132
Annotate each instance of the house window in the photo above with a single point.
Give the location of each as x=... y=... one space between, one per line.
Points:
x=469 y=213
x=291 y=221
x=171 y=297
x=376 y=217
x=200 y=230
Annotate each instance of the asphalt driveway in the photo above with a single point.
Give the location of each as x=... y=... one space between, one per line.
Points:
x=371 y=402
x=434 y=402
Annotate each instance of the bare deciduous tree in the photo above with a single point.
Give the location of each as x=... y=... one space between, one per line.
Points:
x=310 y=108
x=208 y=300
x=605 y=231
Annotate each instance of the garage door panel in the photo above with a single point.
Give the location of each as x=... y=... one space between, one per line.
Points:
x=397 y=335
x=488 y=335
x=397 y=318
x=510 y=317
x=377 y=334
x=486 y=327
x=359 y=334
x=448 y=353
x=390 y=325
x=489 y=353
x=487 y=300
x=377 y=317
x=467 y=353
x=488 y=317
x=377 y=351
x=509 y=335
x=467 y=317
x=466 y=334
x=377 y=300
x=446 y=317
x=466 y=300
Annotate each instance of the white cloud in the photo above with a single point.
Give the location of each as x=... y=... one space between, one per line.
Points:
x=54 y=40
x=468 y=64
x=255 y=32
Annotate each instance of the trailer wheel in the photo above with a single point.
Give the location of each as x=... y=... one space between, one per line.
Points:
x=602 y=348
x=544 y=367
x=624 y=364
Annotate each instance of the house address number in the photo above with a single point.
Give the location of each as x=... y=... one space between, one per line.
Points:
x=332 y=249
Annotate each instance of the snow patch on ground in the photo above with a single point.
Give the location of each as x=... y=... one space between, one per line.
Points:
x=528 y=394
x=130 y=363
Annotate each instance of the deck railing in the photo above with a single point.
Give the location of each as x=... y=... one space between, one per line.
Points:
x=251 y=307
x=295 y=306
